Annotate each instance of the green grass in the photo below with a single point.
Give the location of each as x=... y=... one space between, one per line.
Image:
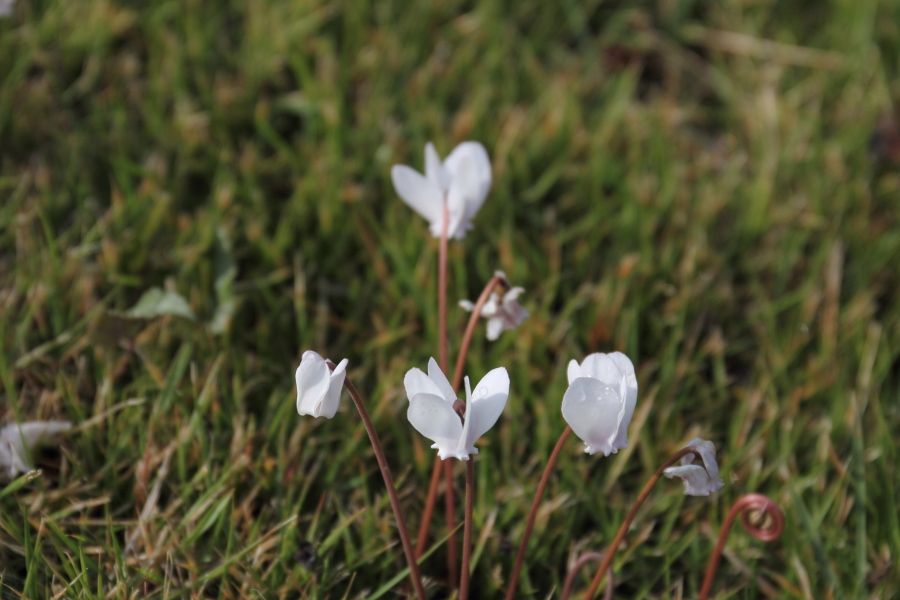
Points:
x=706 y=202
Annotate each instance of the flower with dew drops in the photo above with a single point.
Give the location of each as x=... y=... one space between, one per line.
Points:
x=699 y=479
x=502 y=313
x=600 y=400
x=431 y=413
x=462 y=181
x=318 y=387
x=19 y=440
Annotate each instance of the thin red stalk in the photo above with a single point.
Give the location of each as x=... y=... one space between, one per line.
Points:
x=450 y=516
x=414 y=575
x=449 y=503
x=442 y=293
x=470 y=329
x=610 y=551
x=766 y=530
x=467 y=530
x=532 y=514
x=431 y=497
x=570 y=576
x=429 y=507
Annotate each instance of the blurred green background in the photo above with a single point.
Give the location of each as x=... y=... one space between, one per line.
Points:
x=195 y=192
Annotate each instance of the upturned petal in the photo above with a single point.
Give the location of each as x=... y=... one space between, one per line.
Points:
x=420 y=194
x=591 y=408
x=432 y=414
x=461 y=183
x=318 y=388
x=487 y=403
x=616 y=371
x=470 y=171
x=434 y=418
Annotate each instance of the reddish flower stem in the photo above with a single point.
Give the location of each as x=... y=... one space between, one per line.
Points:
x=467 y=530
x=768 y=528
x=442 y=293
x=570 y=576
x=610 y=551
x=449 y=503
x=431 y=497
x=450 y=516
x=414 y=575
x=532 y=514
x=470 y=329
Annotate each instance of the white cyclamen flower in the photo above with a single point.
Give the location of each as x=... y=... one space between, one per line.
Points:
x=462 y=182
x=501 y=313
x=699 y=479
x=19 y=440
x=600 y=401
x=318 y=387
x=431 y=400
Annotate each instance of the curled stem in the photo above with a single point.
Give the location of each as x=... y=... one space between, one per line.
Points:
x=532 y=514
x=629 y=518
x=576 y=566
x=467 y=530
x=414 y=575
x=431 y=497
x=762 y=519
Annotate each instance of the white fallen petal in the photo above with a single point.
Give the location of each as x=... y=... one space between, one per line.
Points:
x=18 y=441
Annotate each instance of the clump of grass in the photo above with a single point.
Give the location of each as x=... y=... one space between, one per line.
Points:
x=691 y=184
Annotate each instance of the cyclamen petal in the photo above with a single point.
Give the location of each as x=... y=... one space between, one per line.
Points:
x=699 y=479
x=432 y=414
x=462 y=181
x=318 y=387
x=600 y=401
x=591 y=408
x=502 y=313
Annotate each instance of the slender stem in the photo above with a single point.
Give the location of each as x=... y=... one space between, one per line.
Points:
x=450 y=516
x=767 y=528
x=442 y=293
x=629 y=518
x=414 y=575
x=449 y=503
x=532 y=514
x=570 y=576
x=431 y=497
x=470 y=329
x=467 y=530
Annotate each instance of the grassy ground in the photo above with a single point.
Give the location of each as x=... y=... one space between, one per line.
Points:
x=692 y=183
